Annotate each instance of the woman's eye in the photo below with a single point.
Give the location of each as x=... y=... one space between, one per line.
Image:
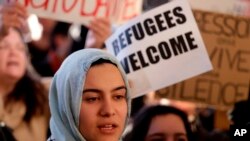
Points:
x=21 y=48
x=157 y=140
x=119 y=97
x=92 y=99
x=6 y=46
x=3 y=46
x=181 y=138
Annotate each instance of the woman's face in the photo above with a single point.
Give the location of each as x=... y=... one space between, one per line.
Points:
x=167 y=127
x=13 y=57
x=104 y=107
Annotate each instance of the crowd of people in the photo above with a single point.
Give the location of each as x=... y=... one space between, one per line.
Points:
x=89 y=96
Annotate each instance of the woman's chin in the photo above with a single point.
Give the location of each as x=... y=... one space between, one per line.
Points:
x=14 y=76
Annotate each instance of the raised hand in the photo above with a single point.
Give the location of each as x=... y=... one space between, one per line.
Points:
x=13 y=15
x=100 y=30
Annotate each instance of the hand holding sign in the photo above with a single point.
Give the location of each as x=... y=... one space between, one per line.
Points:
x=13 y=15
x=100 y=30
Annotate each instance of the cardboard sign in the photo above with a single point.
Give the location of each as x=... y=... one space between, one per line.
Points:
x=82 y=11
x=159 y=48
x=227 y=39
x=214 y=5
x=233 y=7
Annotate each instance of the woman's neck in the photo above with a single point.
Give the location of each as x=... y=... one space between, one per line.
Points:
x=6 y=88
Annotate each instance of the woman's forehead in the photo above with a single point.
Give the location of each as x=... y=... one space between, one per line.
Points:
x=13 y=36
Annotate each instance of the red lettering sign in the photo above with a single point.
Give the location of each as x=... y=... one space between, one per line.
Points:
x=99 y=5
x=70 y=8
x=130 y=5
x=43 y=4
x=118 y=11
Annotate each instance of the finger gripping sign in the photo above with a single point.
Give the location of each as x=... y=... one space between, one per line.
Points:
x=159 y=48
x=82 y=11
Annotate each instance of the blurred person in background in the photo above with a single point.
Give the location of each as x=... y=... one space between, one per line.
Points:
x=62 y=44
x=240 y=119
x=204 y=129
x=160 y=123
x=56 y=42
x=24 y=110
x=240 y=114
x=39 y=48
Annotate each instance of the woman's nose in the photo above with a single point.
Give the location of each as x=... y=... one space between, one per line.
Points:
x=107 y=108
x=12 y=50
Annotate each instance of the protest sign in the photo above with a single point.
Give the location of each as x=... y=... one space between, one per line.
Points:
x=227 y=39
x=233 y=7
x=213 y=5
x=82 y=11
x=159 y=48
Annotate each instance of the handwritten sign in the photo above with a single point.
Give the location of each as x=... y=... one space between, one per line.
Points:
x=233 y=7
x=82 y=11
x=159 y=48
x=214 y=5
x=227 y=39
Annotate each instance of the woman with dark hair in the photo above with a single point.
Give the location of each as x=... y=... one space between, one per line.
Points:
x=160 y=123
x=23 y=104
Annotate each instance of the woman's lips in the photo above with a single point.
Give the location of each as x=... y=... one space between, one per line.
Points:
x=12 y=63
x=107 y=128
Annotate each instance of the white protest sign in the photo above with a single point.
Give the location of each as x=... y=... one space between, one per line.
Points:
x=82 y=11
x=159 y=48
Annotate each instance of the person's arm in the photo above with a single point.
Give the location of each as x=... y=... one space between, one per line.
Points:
x=99 y=30
x=13 y=15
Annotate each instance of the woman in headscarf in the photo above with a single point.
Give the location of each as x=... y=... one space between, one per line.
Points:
x=89 y=98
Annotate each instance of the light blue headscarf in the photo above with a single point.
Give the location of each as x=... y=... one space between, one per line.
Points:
x=65 y=94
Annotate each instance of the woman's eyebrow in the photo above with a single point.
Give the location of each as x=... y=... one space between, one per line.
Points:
x=99 y=91
x=155 y=135
x=92 y=90
x=180 y=134
x=119 y=88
